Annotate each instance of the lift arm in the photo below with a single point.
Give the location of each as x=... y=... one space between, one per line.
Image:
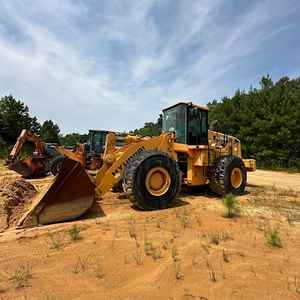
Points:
x=115 y=160
x=26 y=136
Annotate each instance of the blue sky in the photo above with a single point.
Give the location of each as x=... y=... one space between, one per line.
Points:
x=115 y=64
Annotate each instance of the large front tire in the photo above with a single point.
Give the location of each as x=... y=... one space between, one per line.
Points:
x=229 y=176
x=152 y=179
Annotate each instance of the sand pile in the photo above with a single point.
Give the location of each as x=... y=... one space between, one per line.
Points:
x=15 y=198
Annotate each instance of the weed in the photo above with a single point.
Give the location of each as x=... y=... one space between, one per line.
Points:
x=217 y=237
x=175 y=255
x=185 y=218
x=150 y=250
x=273 y=238
x=74 y=233
x=231 y=206
x=148 y=247
x=56 y=244
x=21 y=275
x=156 y=254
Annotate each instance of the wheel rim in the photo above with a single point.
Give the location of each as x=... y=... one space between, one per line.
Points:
x=158 y=181
x=236 y=178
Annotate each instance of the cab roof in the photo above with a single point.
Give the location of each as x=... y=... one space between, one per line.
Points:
x=203 y=107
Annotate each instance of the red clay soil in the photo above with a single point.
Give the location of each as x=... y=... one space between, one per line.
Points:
x=188 y=252
x=15 y=197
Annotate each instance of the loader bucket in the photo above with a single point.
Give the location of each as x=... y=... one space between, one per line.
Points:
x=69 y=196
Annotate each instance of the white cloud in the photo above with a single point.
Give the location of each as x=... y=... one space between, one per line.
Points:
x=112 y=66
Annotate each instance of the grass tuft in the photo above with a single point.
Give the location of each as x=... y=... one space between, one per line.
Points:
x=273 y=238
x=148 y=247
x=55 y=242
x=175 y=254
x=74 y=233
x=231 y=206
x=185 y=218
x=21 y=275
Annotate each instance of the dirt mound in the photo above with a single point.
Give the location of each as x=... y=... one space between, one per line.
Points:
x=15 y=198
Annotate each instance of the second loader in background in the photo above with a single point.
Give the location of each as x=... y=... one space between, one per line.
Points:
x=151 y=169
x=45 y=158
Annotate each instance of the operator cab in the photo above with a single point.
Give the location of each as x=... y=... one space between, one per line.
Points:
x=188 y=121
x=96 y=140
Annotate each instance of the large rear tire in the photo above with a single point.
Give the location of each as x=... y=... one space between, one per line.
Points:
x=229 y=176
x=152 y=180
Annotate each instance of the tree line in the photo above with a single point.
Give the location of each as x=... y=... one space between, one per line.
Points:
x=266 y=120
x=15 y=116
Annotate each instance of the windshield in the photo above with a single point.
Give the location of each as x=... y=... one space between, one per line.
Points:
x=174 y=120
x=97 y=140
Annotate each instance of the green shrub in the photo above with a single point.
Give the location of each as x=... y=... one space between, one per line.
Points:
x=231 y=206
x=273 y=238
x=56 y=244
x=74 y=233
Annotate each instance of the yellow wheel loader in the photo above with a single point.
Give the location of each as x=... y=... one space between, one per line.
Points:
x=151 y=169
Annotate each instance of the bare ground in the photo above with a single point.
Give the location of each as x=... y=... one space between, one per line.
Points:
x=278 y=179
x=190 y=251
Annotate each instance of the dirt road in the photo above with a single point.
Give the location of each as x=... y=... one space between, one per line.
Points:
x=279 y=179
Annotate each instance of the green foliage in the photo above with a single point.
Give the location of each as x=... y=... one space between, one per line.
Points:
x=74 y=233
x=2 y=142
x=150 y=129
x=50 y=132
x=273 y=238
x=174 y=253
x=4 y=149
x=73 y=139
x=231 y=206
x=185 y=218
x=55 y=241
x=266 y=120
x=14 y=116
x=21 y=275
